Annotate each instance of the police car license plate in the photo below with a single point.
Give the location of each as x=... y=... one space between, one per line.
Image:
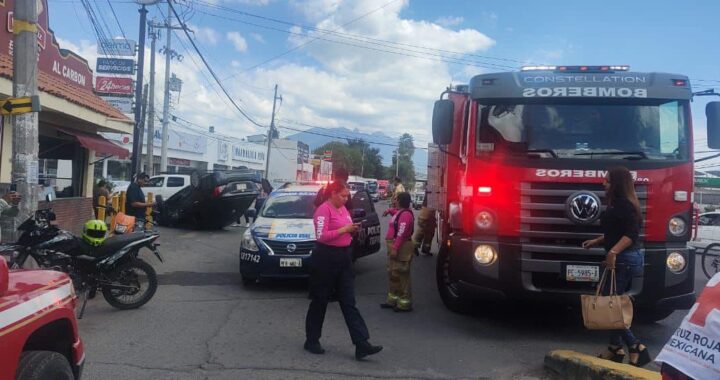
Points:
x=290 y=262
x=582 y=273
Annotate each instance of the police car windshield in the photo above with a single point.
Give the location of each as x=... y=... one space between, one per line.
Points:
x=289 y=205
x=588 y=131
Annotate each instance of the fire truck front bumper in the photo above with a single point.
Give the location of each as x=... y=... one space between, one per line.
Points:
x=509 y=269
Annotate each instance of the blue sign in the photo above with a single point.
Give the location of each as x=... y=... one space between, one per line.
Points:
x=116 y=66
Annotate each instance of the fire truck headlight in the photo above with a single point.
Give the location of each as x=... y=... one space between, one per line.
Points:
x=677 y=226
x=484 y=220
x=485 y=254
x=676 y=262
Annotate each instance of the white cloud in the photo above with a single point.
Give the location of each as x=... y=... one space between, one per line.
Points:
x=238 y=41
x=258 y=37
x=205 y=35
x=449 y=21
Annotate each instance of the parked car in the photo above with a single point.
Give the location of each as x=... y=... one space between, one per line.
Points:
x=708 y=230
x=38 y=330
x=166 y=185
x=279 y=243
x=215 y=200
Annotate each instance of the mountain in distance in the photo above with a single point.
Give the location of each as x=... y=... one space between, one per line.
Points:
x=317 y=137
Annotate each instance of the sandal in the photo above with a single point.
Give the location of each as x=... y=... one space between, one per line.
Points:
x=641 y=356
x=613 y=353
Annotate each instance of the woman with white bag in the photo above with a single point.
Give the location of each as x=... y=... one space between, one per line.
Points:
x=621 y=227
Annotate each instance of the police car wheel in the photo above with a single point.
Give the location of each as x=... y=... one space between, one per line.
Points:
x=648 y=315
x=40 y=365
x=248 y=280
x=449 y=293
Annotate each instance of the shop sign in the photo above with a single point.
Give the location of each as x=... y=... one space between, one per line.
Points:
x=178 y=162
x=122 y=104
x=115 y=66
x=182 y=141
x=223 y=151
x=111 y=85
x=303 y=153
x=249 y=153
x=63 y=65
x=119 y=46
x=175 y=84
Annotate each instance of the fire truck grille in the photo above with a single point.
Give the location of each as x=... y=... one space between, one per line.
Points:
x=550 y=239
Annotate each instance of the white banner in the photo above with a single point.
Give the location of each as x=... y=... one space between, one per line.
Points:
x=694 y=348
x=223 y=151
x=123 y=104
x=118 y=46
x=182 y=141
x=249 y=153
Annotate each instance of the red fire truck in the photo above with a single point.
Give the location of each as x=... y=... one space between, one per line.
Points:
x=516 y=173
x=38 y=330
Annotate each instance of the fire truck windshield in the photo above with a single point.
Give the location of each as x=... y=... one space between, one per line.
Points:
x=585 y=131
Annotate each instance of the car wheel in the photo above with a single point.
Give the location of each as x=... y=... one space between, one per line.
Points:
x=449 y=291
x=248 y=280
x=40 y=365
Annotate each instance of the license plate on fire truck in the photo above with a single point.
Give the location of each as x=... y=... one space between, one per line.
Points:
x=582 y=273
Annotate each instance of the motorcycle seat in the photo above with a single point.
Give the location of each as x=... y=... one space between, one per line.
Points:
x=116 y=242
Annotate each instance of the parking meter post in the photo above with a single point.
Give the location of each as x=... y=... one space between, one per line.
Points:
x=100 y=212
x=115 y=206
x=148 y=212
x=122 y=201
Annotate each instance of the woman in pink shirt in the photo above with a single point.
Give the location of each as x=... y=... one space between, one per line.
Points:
x=331 y=269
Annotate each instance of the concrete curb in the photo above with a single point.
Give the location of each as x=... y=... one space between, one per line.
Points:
x=565 y=364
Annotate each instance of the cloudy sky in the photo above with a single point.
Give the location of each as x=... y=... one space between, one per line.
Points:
x=377 y=65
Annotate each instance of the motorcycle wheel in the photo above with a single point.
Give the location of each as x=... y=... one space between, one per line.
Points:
x=132 y=274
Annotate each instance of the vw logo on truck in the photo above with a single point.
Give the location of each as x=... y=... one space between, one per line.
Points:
x=583 y=207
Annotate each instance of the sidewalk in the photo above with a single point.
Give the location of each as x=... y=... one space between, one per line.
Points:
x=565 y=364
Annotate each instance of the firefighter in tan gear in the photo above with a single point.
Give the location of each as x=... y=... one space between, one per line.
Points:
x=400 y=252
x=422 y=238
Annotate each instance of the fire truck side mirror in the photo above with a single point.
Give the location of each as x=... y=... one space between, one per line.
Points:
x=4 y=276
x=442 y=121
x=712 y=111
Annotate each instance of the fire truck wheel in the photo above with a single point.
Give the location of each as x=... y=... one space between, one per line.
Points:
x=39 y=365
x=647 y=316
x=449 y=291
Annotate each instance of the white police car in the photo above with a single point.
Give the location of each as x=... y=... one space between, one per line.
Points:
x=279 y=243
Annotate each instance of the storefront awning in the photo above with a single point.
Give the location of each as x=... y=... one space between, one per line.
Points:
x=99 y=144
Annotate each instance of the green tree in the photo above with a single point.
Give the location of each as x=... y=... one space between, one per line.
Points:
x=405 y=168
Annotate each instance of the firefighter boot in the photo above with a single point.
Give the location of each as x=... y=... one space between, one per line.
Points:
x=393 y=284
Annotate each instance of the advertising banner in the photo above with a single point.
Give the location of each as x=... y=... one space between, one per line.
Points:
x=249 y=153
x=111 y=85
x=124 y=105
x=303 y=153
x=115 y=66
x=120 y=46
x=182 y=141
x=223 y=151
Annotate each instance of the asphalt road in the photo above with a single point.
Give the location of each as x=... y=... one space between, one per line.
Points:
x=203 y=324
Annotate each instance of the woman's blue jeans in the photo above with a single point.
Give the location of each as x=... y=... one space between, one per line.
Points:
x=628 y=264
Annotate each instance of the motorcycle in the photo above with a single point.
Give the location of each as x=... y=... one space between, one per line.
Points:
x=114 y=267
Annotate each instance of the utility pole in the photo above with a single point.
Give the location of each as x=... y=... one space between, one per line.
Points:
x=169 y=54
x=137 y=137
x=154 y=34
x=397 y=162
x=270 y=135
x=25 y=145
x=362 y=165
x=143 y=119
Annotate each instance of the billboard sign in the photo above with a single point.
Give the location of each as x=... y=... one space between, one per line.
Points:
x=115 y=66
x=303 y=153
x=111 y=85
x=123 y=104
x=118 y=46
x=223 y=151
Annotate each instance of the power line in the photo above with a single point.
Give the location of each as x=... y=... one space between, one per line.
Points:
x=308 y=42
x=112 y=9
x=217 y=80
x=351 y=35
x=369 y=45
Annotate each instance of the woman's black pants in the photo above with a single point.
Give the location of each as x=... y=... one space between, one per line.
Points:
x=331 y=270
